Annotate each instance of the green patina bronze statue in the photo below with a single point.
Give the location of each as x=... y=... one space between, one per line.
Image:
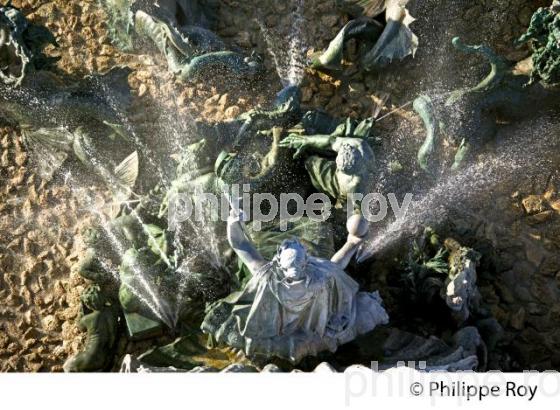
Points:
x=353 y=167
x=146 y=283
x=292 y=297
x=437 y=271
x=94 y=263
x=177 y=30
x=544 y=35
x=75 y=121
x=141 y=294
x=378 y=45
x=468 y=117
x=100 y=319
x=426 y=268
x=21 y=45
x=294 y=305
x=66 y=117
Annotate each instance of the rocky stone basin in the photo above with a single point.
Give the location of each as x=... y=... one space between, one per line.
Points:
x=514 y=224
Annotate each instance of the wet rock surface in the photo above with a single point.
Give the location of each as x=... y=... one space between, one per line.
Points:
x=518 y=233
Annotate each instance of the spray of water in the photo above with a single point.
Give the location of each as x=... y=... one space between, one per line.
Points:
x=296 y=65
x=290 y=62
x=519 y=155
x=147 y=295
x=145 y=292
x=201 y=237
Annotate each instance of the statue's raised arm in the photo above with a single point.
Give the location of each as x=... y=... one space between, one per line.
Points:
x=357 y=230
x=297 y=304
x=240 y=243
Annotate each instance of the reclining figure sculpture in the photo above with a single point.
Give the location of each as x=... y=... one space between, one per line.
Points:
x=353 y=167
x=177 y=29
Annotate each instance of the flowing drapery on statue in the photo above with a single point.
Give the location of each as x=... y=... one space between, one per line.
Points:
x=273 y=316
x=296 y=305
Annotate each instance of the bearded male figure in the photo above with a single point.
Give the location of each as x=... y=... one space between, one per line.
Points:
x=295 y=305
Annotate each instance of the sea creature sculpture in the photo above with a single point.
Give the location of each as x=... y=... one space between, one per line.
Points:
x=379 y=45
x=295 y=305
x=469 y=117
x=190 y=49
x=21 y=45
x=75 y=120
x=544 y=36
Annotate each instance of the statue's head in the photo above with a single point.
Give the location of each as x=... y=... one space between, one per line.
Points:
x=292 y=258
x=92 y=298
x=348 y=158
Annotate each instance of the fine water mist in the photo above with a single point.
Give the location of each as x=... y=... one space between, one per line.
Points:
x=518 y=155
x=289 y=53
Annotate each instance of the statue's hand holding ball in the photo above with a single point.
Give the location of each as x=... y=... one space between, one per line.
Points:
x=357 y=227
